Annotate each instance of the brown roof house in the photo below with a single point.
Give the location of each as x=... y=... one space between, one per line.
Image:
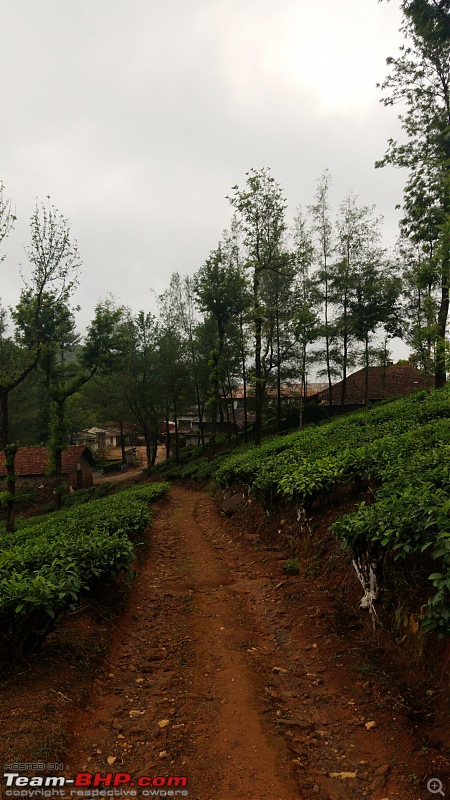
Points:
x=384 y=383
x=33 y=462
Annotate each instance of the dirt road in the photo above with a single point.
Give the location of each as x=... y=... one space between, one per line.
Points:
x=225 y=671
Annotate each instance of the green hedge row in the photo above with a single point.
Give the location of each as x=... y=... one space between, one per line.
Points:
x=48 y=562
x=403 y=446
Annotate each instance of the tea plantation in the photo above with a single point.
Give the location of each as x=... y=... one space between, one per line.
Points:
x=402 y=448
x=52 y=559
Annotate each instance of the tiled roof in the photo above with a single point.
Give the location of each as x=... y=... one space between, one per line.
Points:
x=34 y=460
x=396 y=380
x=128 y=427
x=294 y=390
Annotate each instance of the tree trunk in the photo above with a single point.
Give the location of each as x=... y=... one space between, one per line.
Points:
x=227 y=411
x=10 y=451
x=440 y=375
x=167 y=433
x=327 y=345
x=258 y=367
x=344 y=355
x=155 y=447
x=366 y=376
x=236 y=432
x=197 y=393
x=244 y=379
x=177 y=442
x=200 y=421
x=57 y=445
x=122 y=443
x=148 y=449
x=303 y=388
x=215 y=402
x=277 y=329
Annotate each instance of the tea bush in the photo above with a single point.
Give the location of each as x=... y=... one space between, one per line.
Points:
x=50 y=560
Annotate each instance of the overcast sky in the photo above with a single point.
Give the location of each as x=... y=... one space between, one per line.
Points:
x=138 y=116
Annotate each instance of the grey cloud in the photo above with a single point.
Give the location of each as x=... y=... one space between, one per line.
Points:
x=138 y=116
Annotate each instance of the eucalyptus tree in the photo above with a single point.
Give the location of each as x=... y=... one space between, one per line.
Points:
x=323 y=240
x=220 y=289
x=261 y=209
x=306 y=301
x=374 y=307
x=142 y=382
x=355 y=279
x=181 y=299
x=420 y=309
x=277 y=298
x=419 y=80
x=233 y=246
x=69 y=365
x=54 y=261
x=174 y=369
x=231 y=375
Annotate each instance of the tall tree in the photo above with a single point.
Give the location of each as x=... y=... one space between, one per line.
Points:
x=220 y=290
x=323 y=233
x=261 y=208
x=419 y=80
x=277 y=296
x=420 y=289
x=107 y=352
x=142 y=381
x=360 y=291
x=375 y=303
x=233 y=246
x=68 y=366
x=173 y=365
x=184 y=308
x=54 y=263
x=306 y=297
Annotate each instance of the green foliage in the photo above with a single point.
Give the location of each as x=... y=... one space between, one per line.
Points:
x=198 y=468
x=419 y=84
x=85 y=495
x=51 y=560
x=4 y=497
x=291 y=566
x=404 y=446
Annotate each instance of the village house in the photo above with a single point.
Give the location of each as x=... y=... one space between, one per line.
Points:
x=101 y=438
x=384 y=383
x=290 y=393
x=32 y=465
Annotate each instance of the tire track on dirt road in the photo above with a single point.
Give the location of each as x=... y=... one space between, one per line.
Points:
x=234 y=754
x=176 y=696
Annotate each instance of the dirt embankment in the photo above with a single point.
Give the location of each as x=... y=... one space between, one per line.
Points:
x=226 y=671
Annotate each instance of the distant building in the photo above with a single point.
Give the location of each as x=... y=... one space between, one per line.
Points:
x=33 y=462
x=384 y=383
x=290 y=393
x=107 y=436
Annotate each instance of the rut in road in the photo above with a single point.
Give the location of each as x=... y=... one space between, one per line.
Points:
x=179 y=658
x=228 y=673
x=235 y=755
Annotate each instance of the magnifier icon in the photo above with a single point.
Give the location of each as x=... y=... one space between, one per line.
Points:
x=435 y=786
